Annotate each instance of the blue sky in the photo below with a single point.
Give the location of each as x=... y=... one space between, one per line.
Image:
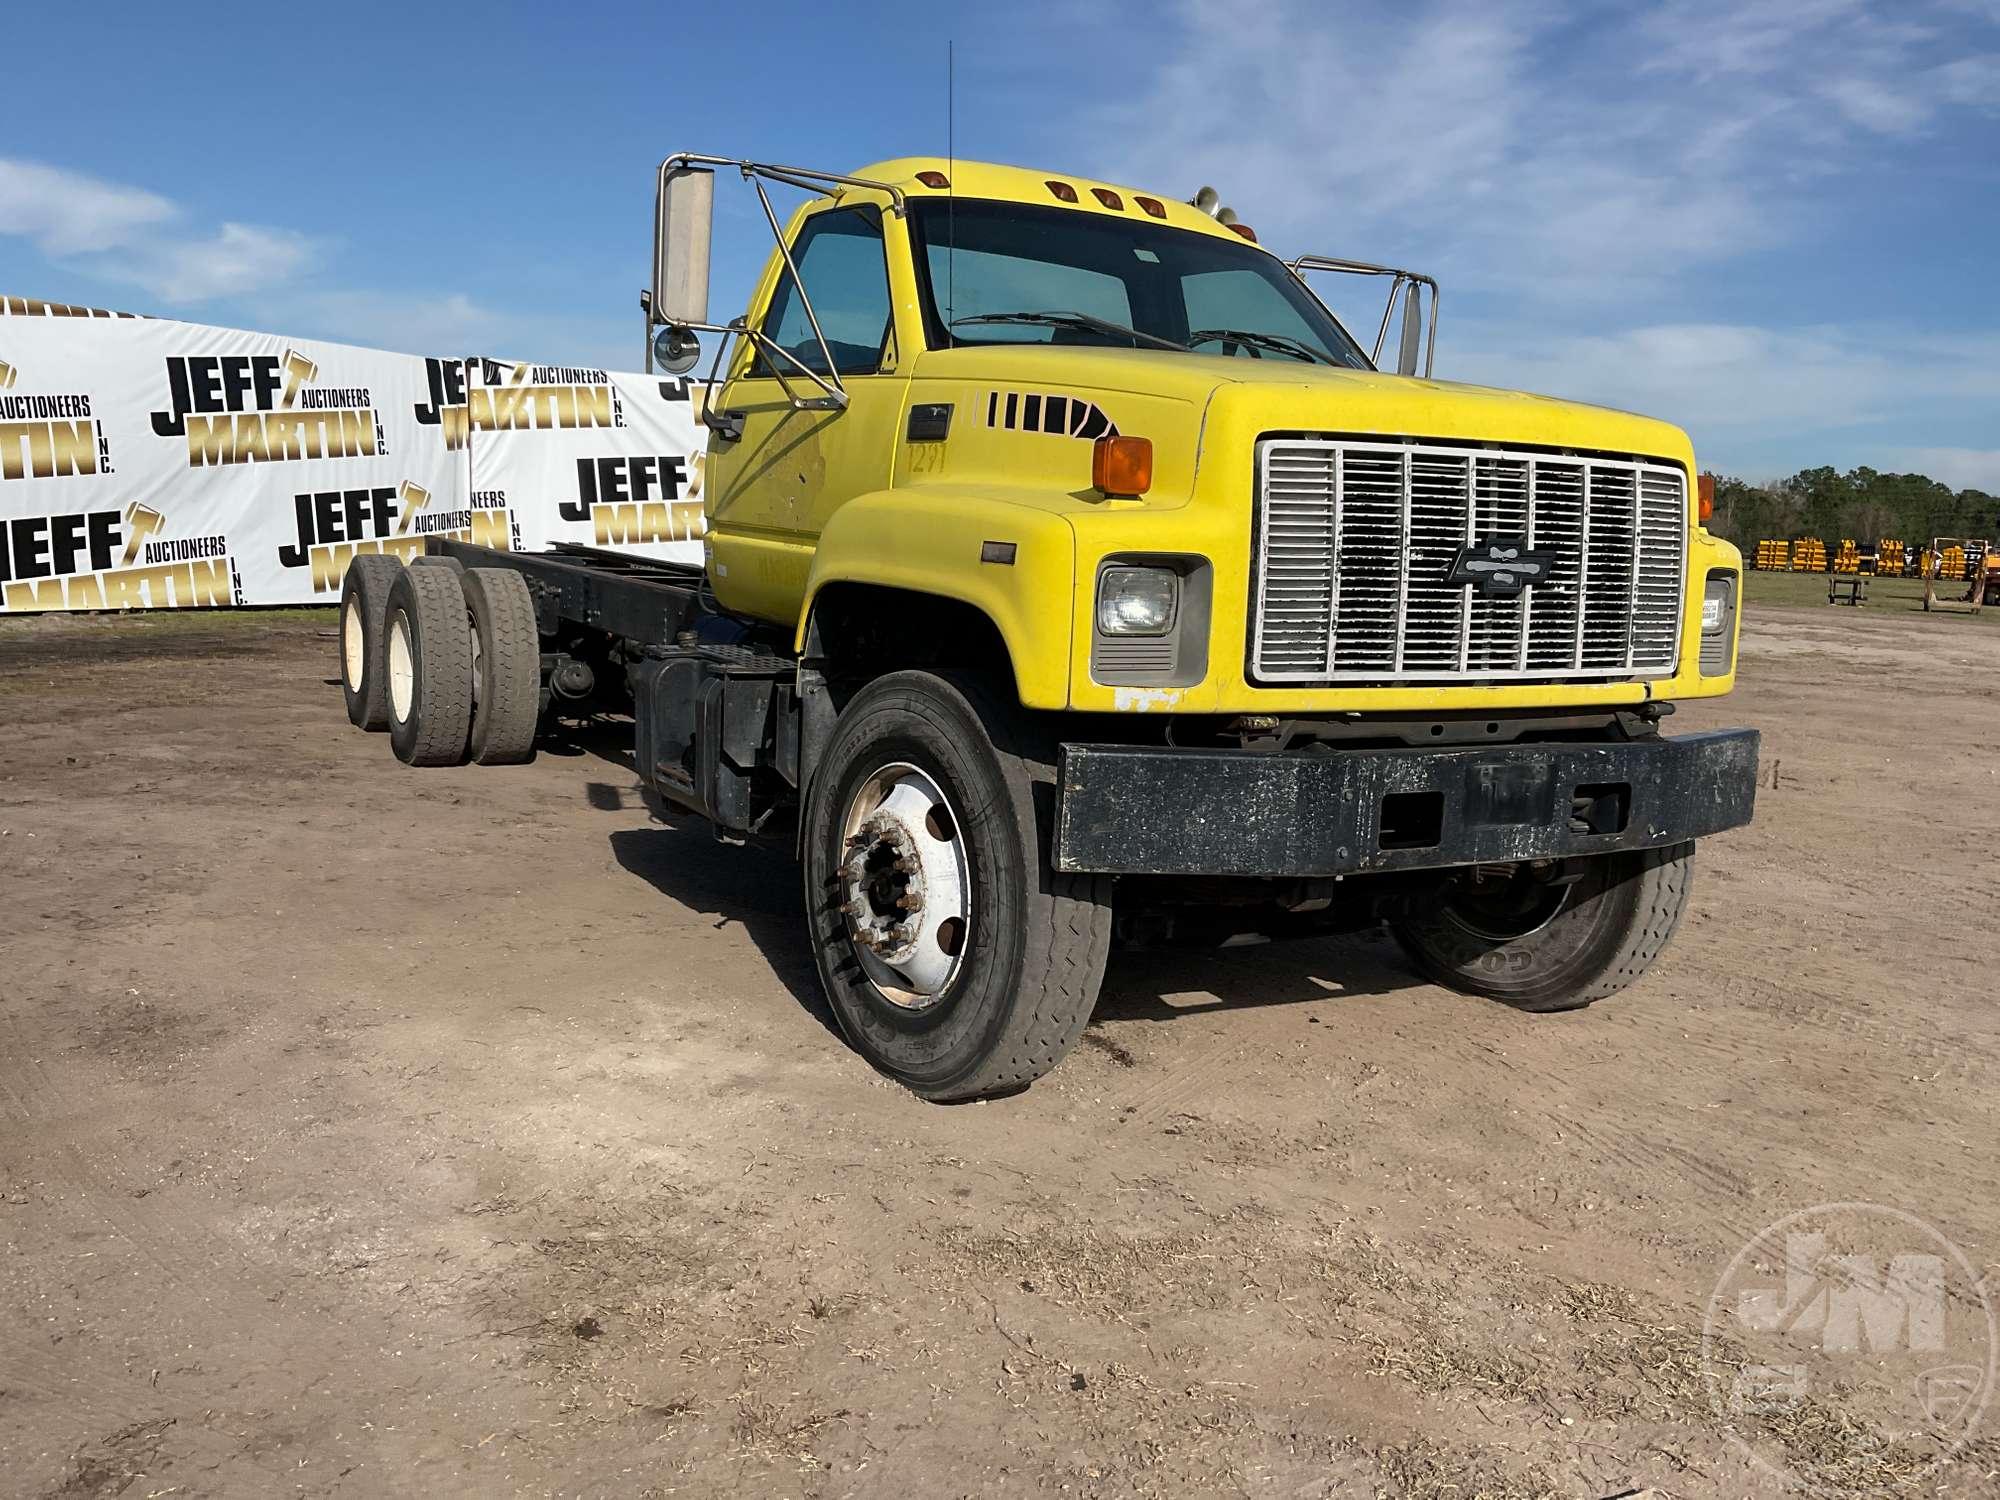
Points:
x=1772 y=221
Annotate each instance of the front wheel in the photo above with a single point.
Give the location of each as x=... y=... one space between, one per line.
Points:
x=1552 y=935
x=956 y=960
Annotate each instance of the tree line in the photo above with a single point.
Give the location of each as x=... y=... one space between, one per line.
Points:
x=1861 y=504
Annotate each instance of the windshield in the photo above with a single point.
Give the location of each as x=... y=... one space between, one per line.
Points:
x=1092 y=279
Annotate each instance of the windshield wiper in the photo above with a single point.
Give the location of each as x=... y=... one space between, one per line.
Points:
x=1281 y=343
x=1069 y=320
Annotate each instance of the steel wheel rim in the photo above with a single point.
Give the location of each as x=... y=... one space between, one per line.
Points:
x=402 y=668
x=352 y=659
x=905 y=886
x=1503 y=926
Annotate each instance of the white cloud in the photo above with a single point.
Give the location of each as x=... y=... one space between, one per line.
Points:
x=67 y=213
x=1961 y=468
x=1875 y=105
x=454 y=324
x=238 y=258
x=127 y=234
x=132 y=235
x=1731 y=376
x=1583 y=183
x=1973 y=81
x=1518 y=149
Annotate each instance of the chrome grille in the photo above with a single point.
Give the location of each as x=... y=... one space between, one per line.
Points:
x=1356 y=541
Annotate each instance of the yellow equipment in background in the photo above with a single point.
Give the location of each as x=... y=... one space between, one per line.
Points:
x=1889 y=558
x=1846 y=557
x=1808 y=555
x=1774 y=555
x=1960 y=560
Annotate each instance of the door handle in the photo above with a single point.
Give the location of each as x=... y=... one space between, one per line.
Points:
x=726 y=425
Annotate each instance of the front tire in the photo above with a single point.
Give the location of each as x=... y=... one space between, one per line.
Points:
x=1536 y=941
x=955 y=959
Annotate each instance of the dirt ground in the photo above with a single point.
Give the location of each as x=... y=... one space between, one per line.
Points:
x=366 y=1131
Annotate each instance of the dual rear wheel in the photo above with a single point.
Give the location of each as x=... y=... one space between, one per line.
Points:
x=446 y=658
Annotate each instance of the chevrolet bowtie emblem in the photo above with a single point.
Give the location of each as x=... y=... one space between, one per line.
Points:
x=1501 y=566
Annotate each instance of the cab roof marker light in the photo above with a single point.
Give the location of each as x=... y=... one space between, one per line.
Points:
x=1152 y=206
x=1108 y=198
x=934 y=179
x=1062 y=190
x=1246 y=231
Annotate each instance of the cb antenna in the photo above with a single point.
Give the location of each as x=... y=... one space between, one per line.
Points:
x=951 y=182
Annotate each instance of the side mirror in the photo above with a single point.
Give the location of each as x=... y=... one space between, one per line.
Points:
x=1413 y=330
x=682 y=220
x=676 y=350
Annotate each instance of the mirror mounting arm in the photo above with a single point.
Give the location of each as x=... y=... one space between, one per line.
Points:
x=728 y=425
x=805 y=301
x=833 y=395
x=1401 y=283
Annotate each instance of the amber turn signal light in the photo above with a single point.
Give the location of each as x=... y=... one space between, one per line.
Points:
x=934 y=179
x=1705 y=487
x=1122 y=465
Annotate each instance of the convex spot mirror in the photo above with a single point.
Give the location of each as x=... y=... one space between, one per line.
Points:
x=676 y=350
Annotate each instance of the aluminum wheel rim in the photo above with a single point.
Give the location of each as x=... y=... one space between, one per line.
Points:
x=351 y=657
x=905 y=886
x=402 y=668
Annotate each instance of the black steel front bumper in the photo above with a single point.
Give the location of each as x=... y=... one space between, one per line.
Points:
x=1126 y=810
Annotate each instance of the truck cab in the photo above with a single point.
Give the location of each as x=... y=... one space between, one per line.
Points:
x=1250 y=396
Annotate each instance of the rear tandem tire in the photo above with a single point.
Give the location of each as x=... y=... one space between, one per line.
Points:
x=507 y=702
x=428 y=653
x=364 y=628
x=1610 y=925
x=1028 y=955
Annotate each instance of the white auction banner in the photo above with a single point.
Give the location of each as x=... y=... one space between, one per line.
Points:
x=586 y=456
x=150 y=464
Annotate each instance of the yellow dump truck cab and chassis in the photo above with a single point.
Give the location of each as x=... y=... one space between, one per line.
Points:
x=1073 y=574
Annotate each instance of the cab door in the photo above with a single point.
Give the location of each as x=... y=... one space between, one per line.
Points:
x=771 y=491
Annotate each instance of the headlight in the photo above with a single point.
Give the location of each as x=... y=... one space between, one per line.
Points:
x=1137 y=601
x=1715 y=603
